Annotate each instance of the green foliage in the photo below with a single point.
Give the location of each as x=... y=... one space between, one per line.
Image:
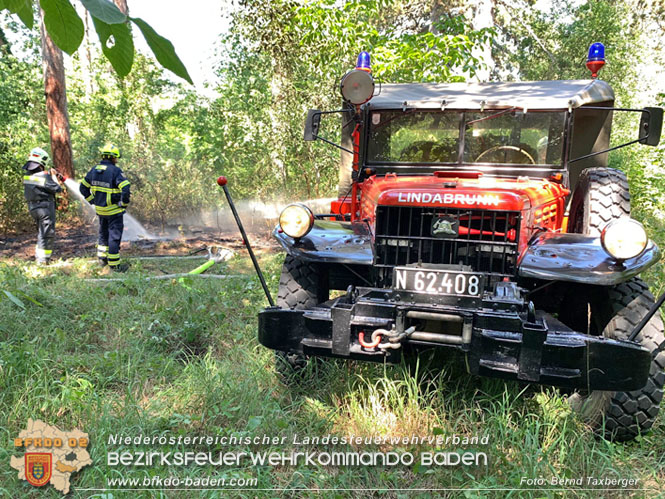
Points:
x=104 y=11
x=330 y=38
x=22 y=8
x=553 y=45
x=285 y=57
x=22 y=125
x=141 y=114
x=65 y=28
x=14 y=299
x=63 y=24
x=120 y=53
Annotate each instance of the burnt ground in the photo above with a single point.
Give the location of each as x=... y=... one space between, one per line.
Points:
x=80 y=240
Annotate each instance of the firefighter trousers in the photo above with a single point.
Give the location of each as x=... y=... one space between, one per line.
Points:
x=110 y=235
x=45 y=217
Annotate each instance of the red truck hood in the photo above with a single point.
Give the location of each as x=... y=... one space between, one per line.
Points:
x=480 y=193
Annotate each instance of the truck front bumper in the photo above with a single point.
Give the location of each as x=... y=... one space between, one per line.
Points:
x=501 y=335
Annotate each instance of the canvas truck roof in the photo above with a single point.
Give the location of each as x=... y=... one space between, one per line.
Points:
x=541 y=95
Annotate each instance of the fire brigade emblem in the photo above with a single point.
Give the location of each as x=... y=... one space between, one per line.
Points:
x=37 y=468
x=51 y=455
x=445 y=226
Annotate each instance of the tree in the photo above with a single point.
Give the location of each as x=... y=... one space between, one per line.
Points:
x=56 y=103
x=66 y=29
x=288 y=56
x=22 y=125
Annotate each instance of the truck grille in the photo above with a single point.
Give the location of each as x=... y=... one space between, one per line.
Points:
x=485 y=240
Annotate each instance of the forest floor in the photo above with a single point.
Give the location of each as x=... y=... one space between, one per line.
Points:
x=75 y=239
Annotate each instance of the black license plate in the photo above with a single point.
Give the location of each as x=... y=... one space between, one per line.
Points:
x=437 y=282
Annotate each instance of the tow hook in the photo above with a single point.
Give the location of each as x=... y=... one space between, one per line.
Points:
x=376 y=339
x=394 y=338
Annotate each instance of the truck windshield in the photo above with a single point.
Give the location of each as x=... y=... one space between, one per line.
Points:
x=491 y=137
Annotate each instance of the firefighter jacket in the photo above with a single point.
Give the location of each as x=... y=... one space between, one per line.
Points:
x=39 y=188
x=106 y=187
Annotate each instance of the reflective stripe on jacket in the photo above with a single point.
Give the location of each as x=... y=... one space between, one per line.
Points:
x=39 y=189
x=106 y=187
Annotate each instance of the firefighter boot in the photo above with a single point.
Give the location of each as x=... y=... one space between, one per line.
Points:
x=121 y=267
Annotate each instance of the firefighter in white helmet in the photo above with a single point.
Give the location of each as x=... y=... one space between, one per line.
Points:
x=39 y=187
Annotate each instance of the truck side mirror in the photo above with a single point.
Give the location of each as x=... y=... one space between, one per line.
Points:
x=312 y=124
x=651 y=125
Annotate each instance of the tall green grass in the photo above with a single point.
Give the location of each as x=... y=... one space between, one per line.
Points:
x=181 y=358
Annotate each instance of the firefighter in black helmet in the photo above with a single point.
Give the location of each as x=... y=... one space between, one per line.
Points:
x=39 y=188
x=106 y=187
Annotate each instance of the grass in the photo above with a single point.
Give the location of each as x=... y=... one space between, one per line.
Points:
x=181 y=358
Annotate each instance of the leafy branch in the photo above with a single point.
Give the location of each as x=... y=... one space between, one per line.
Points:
x=65 y=28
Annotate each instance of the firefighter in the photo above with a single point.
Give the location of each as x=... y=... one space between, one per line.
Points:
x=106 y=187
x=39 y=188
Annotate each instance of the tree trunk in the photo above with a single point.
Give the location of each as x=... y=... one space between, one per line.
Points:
x=56 y=104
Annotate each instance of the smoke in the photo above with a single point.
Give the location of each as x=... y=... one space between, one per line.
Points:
x=258 y=217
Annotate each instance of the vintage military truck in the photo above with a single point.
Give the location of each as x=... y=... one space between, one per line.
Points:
x=483 y=218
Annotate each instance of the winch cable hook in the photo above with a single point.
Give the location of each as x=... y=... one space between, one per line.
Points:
x=395 y=339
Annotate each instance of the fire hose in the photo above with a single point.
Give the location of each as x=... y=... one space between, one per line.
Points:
x=215 y=255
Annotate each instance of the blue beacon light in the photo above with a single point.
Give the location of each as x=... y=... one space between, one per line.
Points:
x=596 y=59
x=363 y=62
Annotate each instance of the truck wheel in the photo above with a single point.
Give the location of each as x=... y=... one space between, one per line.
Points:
x=299 y=288
x=627 y=414
x=601 y=196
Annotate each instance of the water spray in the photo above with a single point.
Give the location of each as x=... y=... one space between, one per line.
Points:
x=221 y=181
x=133 y=228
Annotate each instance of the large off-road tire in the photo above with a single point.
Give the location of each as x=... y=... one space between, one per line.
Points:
x=624 y=415
x=300 y=287
x=601 y=196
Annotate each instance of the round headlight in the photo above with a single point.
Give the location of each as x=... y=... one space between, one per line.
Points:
x=624 y=238
x=357 y=86
x=296 y=220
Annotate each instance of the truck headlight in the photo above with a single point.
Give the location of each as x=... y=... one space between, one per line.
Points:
x=624 y=238
x=296 y=220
